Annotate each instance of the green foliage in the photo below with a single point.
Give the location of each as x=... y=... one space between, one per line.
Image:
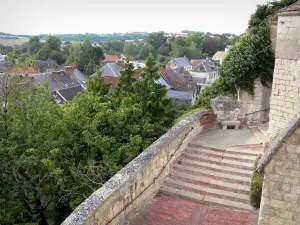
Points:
x=157 y=40
x=256 y=187
x=187 y=114
x=113 y=46
x=86 y=56
x=130 y=49
x=218 y=87
x=251 y=58
x=51 y=49
x=52 y=158
x=34 y=45
x=270 y=8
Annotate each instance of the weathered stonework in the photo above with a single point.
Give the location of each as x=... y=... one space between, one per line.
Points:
x=226 y=108
x=281 y=190
x=255 y=109
x=285 y=97
x=131 y=188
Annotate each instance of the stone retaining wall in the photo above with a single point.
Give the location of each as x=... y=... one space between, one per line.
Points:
x=280 y=202
x=285 y=98
x=141 y=179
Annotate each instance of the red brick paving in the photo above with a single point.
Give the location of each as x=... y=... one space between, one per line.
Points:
x=167 y=210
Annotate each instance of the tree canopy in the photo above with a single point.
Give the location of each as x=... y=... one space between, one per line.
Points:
x=52 y=157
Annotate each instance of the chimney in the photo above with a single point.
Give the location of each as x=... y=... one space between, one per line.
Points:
x=70 y=71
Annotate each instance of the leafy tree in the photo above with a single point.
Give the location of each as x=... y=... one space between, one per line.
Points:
x=125 y=84
x=210 y=45
x=113 y=46
x=51 y=49
x=195 y=39
x=145 y=50
x=218 y=87
x=251 y=58
x=43 y=53
x=54 y=43
x=34 y=45
x=130 y=49
x=157 y=39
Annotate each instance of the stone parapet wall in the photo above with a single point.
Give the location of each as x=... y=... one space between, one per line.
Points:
x=280 y=202
x=141 y=179
x=285 y=97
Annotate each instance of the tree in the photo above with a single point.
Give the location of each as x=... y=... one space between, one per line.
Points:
x=54 y=43
x=157 y=39
x=43 y=53
x=51 y=49
x=149 y=94
x=110 y=46
x=130 y=49
x=34 y=45
x=86 y=56
x=210 y=45
x=145 y=50
x=125 y=84
x=195 y=39
x=251 y=58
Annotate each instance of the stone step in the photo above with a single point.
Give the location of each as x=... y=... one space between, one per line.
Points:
x=191 y=145
x=242 y=151
x=227 y=162
x=207 y=190
x=201 y=157
x=207 y=199
x=215 y=167
x=227 y=203
x=232 y=186
x=185 y=194
x=215 y=175
x=238 y=164
x=221 y=154
x=205 y=151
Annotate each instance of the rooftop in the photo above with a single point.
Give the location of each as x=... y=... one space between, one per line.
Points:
x=183 y=61
x=111 y=58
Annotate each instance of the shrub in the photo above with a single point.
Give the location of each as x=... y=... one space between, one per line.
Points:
x=256 y=187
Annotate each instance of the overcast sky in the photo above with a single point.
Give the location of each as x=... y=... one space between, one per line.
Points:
x=113 y=16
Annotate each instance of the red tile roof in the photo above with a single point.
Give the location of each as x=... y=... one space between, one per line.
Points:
x=111 y=58
x=218 y=54
x=19 y=70
x=196 y=62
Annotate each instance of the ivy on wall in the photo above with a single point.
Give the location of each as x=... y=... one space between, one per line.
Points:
x=252 y=57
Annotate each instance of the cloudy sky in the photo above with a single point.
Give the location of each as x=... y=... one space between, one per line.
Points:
x=99 y=16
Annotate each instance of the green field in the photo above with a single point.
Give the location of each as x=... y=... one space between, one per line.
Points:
x=11 y=42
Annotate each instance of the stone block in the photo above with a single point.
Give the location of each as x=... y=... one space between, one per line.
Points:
x=295 y=189
x=286 y=214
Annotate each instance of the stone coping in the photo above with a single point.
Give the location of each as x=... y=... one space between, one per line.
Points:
x=289 y=13
x=276 y=143
x=129 y=172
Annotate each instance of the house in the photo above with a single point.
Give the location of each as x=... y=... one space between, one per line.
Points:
x=205 y=69
x=110 y=73
x=2 y=58
x=219 y=56
x=181 y=84
x=182 y=62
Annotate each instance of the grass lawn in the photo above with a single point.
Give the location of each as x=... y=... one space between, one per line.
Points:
x=11 y=42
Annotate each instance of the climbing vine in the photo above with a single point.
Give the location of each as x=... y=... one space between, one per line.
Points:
x=250 y=59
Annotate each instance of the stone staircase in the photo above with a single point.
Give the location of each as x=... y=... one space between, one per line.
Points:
x=212 y=176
